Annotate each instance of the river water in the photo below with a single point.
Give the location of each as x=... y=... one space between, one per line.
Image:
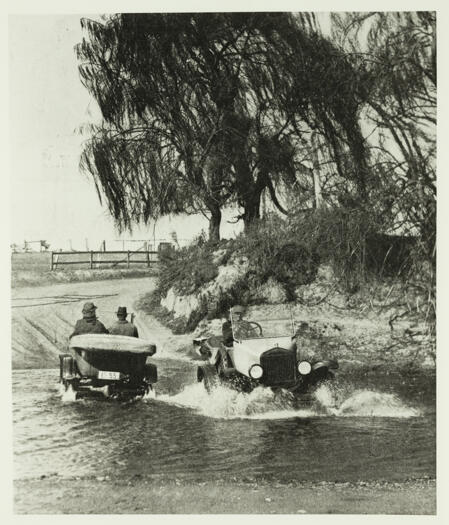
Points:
x=365 y=427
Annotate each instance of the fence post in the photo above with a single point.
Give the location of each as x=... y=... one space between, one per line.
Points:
x=148 y=258
x=91 y=260
x=128 y=259
x=51 y=263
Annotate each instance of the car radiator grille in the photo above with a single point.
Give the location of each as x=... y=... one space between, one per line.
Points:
x=279 y=367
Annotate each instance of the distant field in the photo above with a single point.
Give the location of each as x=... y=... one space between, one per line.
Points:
x=38 y=262
x=33 y=269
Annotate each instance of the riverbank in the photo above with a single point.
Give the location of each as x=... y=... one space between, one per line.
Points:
x=146 y=496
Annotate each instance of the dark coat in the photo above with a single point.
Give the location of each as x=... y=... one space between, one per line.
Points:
x=89 y=326
x=123 y=327
x=226 y=330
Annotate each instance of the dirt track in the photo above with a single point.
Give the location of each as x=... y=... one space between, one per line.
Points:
x=43 y=317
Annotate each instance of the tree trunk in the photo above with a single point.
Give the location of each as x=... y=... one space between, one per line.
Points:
x=251 y=210
x=214 y=224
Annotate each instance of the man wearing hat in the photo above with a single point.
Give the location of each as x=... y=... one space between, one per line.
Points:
x=239 y=326
x=89 y=324
x=122 y=326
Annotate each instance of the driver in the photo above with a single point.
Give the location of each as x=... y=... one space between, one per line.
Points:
x=242 y=329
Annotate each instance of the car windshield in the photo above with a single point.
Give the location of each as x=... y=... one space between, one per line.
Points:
x=261 y=328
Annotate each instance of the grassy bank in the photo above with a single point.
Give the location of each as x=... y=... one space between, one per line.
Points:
x=141 y=496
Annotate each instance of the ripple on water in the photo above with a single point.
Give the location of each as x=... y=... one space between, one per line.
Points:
x=184 y=432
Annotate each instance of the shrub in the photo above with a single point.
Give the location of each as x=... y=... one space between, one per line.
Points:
x=186 y=269
x=338 y=236
x=273 y=250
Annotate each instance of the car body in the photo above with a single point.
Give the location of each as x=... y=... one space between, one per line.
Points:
x=108 y=366
x=260 y=356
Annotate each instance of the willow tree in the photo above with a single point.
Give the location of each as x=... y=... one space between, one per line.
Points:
x=200 y=110
x=156 y=151
x=397 y=52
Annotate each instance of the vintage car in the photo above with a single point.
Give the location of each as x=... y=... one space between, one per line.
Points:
x=262 y=353
x=108 y=366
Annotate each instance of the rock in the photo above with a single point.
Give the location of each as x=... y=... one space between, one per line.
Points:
x=206 y=328
x=271 y=292
x=218 y=256
x=183 y=306
x=180 y=305
x=227 y=276
x=325 y=272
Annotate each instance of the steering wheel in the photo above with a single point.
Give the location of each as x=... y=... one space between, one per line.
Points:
x=256 y=325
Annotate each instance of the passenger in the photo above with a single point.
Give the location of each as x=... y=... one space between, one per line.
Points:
x=89 y=324
x=122 y=326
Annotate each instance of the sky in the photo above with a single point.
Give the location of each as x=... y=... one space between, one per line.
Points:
x=50 y=198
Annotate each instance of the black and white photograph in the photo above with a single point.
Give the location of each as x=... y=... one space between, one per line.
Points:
x=223 y=261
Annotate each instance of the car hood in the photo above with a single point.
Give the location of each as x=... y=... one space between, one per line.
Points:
x=248 y=351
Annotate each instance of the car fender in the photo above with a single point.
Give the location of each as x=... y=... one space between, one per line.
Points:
x=328 y=363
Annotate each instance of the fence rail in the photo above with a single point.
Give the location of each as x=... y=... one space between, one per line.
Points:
x=94 y=259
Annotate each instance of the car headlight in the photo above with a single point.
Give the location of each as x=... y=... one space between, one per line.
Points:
x=304 y=368
x=256 y=372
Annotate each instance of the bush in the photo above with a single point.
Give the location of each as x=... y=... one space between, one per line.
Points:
x=338 y=236
x=273 y=250
x=187 y=269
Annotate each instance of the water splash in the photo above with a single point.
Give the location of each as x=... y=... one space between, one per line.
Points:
x=224 y=402
x=67 y=395
x=367 y=403
x=361 y=403
x=263 y=403
x=151 y=394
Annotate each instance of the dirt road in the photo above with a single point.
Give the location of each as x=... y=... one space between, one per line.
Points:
x=43 y=317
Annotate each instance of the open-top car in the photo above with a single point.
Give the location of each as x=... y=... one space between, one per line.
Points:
x=260 y=353
x=108 y=366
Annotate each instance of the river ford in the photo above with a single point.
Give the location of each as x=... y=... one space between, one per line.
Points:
x=363 y=428
x=185 y=433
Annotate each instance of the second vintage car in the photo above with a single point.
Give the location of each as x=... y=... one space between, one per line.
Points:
x=109 y=366
x=263 y=353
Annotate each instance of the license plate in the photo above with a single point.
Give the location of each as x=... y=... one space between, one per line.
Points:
x=104 y=374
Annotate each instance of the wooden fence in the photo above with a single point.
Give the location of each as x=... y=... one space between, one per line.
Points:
x=96 y=259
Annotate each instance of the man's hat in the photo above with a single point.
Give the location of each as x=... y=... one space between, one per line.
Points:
x=121 y=311
x=238 y=309
x=89 y=308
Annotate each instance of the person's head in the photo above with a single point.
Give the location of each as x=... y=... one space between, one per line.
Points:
x=238 y=312
x=89 y=311
x=121 y=312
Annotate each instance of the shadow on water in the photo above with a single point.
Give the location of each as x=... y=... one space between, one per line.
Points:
x=186 y=433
